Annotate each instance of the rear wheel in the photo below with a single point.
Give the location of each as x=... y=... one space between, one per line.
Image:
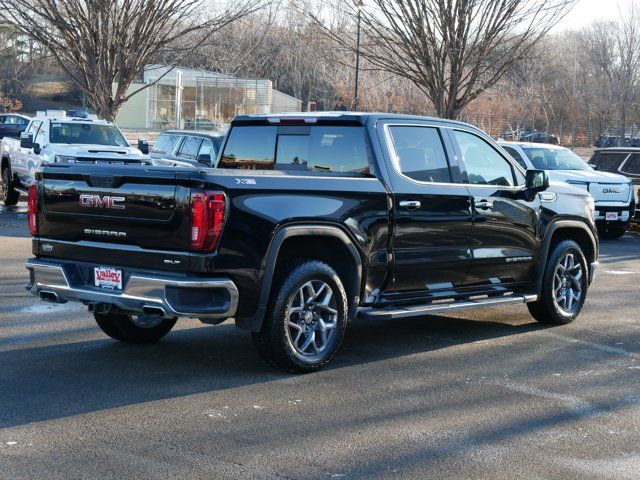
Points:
x=10 y=196
x=134 y=328
x=306 y=320
x=564 y=286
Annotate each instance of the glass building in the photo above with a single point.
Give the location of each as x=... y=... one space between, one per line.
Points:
x=199 y=100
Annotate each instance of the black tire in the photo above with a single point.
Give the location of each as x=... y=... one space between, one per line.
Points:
x=120 y=326
x=275 y=341
x=547 y=309
x=10 y=196
x=612 y=233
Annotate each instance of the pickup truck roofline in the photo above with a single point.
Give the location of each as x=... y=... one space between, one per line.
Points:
x=254 y=323
x=341 y=118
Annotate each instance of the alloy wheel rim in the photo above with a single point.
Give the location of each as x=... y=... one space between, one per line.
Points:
x=312 y=319
x=567 y=284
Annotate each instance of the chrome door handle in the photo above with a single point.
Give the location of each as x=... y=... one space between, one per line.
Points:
x=483 y=204
x=410 y=204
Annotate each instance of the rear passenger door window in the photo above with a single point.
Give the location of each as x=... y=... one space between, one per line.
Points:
x=420 y=154
x=190 y=147
x=166 y=144
x=485 y=166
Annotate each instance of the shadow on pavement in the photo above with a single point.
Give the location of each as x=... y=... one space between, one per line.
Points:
x=59 y=380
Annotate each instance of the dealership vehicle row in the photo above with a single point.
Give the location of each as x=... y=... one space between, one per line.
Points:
x=306 y=221
x=311 y=220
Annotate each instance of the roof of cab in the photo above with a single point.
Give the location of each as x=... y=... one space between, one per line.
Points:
x=618 y=149
x=207 y=133
x=339 y=117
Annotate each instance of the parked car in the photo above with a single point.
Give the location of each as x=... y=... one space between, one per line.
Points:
x=186 y=148
x=52 y=137
x=622 y=160
x=540 y=137
x=605 y=141
x=613 y=193
x=12 y=124
x=308 y=221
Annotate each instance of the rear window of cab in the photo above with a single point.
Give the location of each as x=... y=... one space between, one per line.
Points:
x=320 y=149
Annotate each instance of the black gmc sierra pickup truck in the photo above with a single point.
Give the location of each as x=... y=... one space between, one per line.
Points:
x=309 y=221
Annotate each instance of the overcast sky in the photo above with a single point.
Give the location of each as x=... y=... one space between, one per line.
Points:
x=586 y=11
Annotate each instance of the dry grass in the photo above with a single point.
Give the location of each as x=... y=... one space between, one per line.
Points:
x=46 y=88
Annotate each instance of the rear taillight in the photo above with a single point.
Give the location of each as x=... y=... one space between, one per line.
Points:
x=207 y=219
x=33 y=210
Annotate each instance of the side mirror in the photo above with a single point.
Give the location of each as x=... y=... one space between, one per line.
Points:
x=143 y=146
x=537 y=180
x=26 y=140
x=204 y=158
x=594 y=166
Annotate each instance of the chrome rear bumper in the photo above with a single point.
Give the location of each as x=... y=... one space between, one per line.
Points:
x=171 y=296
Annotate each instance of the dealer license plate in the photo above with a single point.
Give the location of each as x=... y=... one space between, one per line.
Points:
x=611 y=216
x=107 y=277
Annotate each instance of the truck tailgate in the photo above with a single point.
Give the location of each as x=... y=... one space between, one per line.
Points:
x=124 y=208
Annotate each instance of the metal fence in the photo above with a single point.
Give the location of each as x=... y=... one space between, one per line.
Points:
x=582 y=132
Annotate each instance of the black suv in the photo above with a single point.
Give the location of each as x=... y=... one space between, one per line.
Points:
x=309 y=221
x=186 y=148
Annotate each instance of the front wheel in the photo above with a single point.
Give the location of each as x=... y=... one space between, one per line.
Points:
x=306 y=320
x=10 y=196
x=564 y=286
x=612 y=233
x=134 y=328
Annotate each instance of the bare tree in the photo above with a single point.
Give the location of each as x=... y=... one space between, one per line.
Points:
x=451 y=50
x=626 y=73
x=103 y=45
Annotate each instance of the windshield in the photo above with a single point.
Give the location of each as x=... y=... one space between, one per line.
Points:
x=86 y=133
x=555 y=159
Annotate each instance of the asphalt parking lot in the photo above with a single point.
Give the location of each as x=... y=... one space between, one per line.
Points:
x=482 y=394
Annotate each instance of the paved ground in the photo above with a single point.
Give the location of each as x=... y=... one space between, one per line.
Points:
x=487 y=394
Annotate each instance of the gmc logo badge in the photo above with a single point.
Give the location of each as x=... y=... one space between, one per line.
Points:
x=610 y=190
x=96 y=201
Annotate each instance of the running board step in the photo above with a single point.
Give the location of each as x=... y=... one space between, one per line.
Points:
x=419 y=310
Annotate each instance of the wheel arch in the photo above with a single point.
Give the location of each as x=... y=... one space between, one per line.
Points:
x=297 y=241
x=575 y=230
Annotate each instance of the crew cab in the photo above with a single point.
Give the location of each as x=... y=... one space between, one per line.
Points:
x=613 y=193
x=310 y=220
x=53 y=137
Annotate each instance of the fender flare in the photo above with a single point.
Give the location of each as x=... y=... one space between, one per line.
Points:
x=254 y=323
x=546 y=245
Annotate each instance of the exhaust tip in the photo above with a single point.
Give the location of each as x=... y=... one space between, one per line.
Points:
x=153 y=311
x=50 y=297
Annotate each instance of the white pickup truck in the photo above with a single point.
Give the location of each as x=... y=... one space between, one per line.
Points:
x=612 y=193
x=53 y=137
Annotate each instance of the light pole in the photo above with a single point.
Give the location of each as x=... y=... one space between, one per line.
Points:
x=359 y=6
